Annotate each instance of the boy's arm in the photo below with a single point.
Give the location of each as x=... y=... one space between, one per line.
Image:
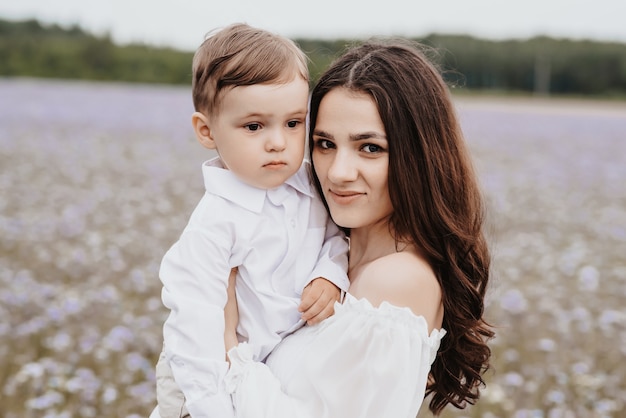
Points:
x=231 y=314
x=332 y=260
x=195 y=275
x=328 y=278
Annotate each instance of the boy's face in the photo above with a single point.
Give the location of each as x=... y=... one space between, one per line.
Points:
x=259 y=131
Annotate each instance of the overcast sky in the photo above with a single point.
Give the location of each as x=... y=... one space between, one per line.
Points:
x=183 y=23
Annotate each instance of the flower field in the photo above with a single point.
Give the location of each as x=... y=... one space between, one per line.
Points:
x=97 y=180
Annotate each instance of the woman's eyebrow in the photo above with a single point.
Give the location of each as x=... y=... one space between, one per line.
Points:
x=353 y=137
x=323 y=134
x=367 y=135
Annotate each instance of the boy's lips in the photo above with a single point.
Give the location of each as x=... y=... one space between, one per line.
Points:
x=275 y=164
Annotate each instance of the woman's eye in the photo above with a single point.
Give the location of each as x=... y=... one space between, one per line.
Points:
x=252 y=126
x=293 y=123
x=323 y=144
x=371 y=148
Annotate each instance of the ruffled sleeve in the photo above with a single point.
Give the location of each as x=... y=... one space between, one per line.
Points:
x=363 y=362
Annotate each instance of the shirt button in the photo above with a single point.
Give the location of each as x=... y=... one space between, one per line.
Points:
x=293 y=223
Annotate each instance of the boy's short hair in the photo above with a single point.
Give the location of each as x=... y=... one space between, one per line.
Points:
x=240 y=55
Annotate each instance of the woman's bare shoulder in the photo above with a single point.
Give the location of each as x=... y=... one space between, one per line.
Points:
x=403 y=279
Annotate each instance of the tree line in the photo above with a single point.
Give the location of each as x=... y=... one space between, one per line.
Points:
x=539 y=65
x=30 y=49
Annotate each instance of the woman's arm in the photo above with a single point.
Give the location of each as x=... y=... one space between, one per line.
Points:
x=402 y=279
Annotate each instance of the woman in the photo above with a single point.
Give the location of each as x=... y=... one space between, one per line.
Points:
x=392 y=166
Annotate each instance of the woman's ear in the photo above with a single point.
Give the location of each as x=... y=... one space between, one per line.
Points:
x=202 y=129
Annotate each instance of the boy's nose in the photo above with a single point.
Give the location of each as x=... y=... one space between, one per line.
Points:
x=276 y=141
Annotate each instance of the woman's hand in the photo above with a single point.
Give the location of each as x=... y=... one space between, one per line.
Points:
x=231 y=314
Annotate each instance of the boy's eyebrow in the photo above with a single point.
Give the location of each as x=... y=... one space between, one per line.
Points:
x=304 y=109
x=298 y=112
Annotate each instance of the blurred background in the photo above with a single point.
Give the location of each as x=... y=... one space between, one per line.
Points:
x=99 y=172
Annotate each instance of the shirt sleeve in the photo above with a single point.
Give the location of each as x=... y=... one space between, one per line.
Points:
x=195 y=275
x=332 y=261
x=363 y=362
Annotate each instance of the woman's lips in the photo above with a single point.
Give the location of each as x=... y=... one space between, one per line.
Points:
x=344 y=197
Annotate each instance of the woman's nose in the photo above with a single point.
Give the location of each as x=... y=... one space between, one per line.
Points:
x=342 y=169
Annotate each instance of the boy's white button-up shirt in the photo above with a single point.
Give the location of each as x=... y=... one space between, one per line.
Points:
x=280 y=240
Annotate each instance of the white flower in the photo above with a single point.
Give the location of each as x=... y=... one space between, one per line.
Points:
x=514 y=301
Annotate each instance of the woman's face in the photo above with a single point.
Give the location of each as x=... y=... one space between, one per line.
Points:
x=351 y=158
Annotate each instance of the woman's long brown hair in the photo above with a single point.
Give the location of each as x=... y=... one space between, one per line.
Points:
x=436 y=198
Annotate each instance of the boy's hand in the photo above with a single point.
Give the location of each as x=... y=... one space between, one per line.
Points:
x=318 y=300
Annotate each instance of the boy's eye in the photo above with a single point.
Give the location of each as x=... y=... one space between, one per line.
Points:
x=252 y=126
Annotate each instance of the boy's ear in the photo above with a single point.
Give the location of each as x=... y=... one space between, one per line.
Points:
x=202 y=129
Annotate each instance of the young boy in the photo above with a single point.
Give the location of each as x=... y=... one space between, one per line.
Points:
x=259 y=214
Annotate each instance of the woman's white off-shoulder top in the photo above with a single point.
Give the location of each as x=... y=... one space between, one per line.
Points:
x=363 y=362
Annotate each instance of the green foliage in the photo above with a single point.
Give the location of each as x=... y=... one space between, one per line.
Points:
x=28 y=49
x=540 y=65
x=575 y=67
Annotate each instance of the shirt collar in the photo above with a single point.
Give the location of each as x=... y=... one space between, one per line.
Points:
x=225 y=184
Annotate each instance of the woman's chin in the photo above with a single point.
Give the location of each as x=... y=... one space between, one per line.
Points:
x=345 y=221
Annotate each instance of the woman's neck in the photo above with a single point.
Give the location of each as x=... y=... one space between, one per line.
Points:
x=368 y=244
